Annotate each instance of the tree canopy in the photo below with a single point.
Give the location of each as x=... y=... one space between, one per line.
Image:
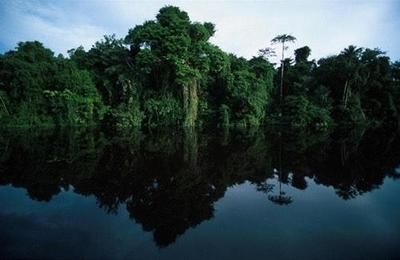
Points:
x=166 y=72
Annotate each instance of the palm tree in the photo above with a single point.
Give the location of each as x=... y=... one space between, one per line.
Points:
x=283 y=38
x=352 y=66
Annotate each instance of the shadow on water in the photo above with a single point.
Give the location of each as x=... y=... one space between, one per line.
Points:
x=169 y=181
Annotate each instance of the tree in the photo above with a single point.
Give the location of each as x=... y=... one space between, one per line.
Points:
x=173 y=50
x=302 y=54
x=351 y=57
x=283 y=38
x=267 y=53
x=41 y=89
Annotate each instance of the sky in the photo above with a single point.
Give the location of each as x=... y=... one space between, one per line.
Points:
x=243 y=27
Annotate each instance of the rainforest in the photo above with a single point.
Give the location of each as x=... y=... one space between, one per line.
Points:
x=162 y=145
x=165 y=72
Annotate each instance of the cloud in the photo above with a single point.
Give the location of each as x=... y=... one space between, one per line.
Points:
x=243 y=27
x=49 y=24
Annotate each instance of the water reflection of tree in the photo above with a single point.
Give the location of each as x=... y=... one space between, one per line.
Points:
x=281 y=198
x=170 y=181
x=370 y=156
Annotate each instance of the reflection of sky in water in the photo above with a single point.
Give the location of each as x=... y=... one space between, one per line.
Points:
x=70 y=225
x=246 y=225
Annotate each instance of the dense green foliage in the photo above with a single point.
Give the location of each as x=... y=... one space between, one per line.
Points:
x=37 y=88
x=358 y=86
x=165 y=72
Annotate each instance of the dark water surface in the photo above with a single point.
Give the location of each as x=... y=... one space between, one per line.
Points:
x=76 y=194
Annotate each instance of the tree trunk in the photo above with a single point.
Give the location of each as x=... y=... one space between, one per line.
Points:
x=190 y=103
x=4 y=106
x=345 y=90
x=282 y=68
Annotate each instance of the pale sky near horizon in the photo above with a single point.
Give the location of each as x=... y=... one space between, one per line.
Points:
x=243 y=27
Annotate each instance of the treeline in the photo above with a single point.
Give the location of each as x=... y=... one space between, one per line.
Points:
x=165 y=72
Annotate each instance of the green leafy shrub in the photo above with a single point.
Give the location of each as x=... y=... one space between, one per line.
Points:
x=300 y=113
x=162 y=111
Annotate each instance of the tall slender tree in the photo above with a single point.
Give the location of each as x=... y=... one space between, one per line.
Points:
x=352 y=65
x=283 y=38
